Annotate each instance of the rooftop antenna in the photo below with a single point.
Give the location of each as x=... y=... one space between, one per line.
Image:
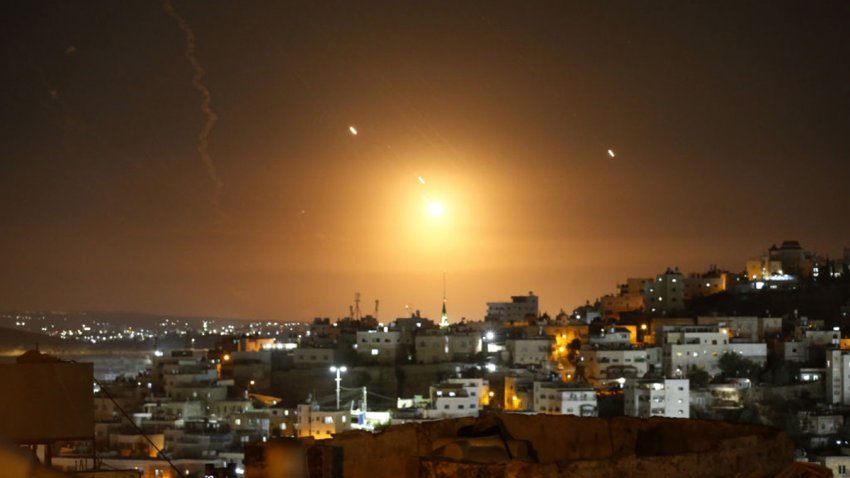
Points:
x=376 y=308
x=356 y=306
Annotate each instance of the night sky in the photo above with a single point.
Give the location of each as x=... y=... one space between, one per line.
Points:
x=729 y=121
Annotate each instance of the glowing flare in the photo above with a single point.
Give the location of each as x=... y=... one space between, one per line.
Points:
x=421 y=180
x=611 y=153
x=435 y=209
x=353 y=130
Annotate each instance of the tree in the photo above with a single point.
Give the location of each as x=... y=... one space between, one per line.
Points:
x=573 y=348
x=699 y=378
x=732 y=365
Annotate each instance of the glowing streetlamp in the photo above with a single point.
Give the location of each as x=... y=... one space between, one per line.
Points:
x=338 y=379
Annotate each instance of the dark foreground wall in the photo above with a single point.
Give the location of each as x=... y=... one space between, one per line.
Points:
x=508 y=445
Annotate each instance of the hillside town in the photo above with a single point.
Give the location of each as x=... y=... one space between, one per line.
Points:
x=645 y=351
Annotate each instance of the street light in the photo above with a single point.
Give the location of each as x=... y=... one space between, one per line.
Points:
x=338 y=370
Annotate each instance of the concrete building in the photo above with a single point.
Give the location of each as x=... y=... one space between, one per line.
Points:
x=475 y=387
x=535 y=351
x=607 y=367
x=517 y=310
x=518 y=394
x=321 y=424
x=612 y=337
x=704 y=284
x=250 y=370
x=175 y=409
x=688 y=348
x=748 y=328
x=308 y=357
x=250 y=426
x=176 y=362
x=451 y=400
x=564 y=399
x=379 y=346
x=657 y=397
x=666 y=293
x=838 y=464
x=822 y=424
x=446 y=346
x=822 y=338
x=838 y=377
x=794 y=351
x=611 y=306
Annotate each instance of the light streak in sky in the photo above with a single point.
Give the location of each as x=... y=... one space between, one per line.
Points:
x=206 y=102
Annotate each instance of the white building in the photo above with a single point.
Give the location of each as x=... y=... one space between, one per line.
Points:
x=520 y=307
x=563 y=399
x=321 y=424
x=611 y=336
x=380 y=346
x=653 y=397
x=840 y=465
x=602 y=367
x=450 y=400
x=530 y=351
x=475 y=387
x=688 y=348
x=838 y=377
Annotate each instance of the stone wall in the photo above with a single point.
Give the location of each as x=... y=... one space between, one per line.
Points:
x=561 y=446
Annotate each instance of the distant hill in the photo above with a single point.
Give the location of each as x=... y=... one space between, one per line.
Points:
x=15 y=342
x=121 y=319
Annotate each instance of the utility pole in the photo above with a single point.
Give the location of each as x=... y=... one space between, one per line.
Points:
x=338 y=379
x=365 y=406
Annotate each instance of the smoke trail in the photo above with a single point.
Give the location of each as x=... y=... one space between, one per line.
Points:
x=206 y=103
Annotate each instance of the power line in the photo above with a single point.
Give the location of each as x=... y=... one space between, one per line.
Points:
x=126 y=415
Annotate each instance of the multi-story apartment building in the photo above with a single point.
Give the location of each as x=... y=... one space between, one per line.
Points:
x=450 y=400
x=688 y=348
x=307 y=357
x=517 y=310
x=657 y=397
x=564 y=399
x=443 y=346
x=530 y=351
x=321 y=424
x=605 y=367
x=380 y=346
x=666 y=293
